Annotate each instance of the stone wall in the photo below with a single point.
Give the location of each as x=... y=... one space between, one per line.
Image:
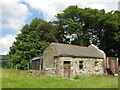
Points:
x=89 y=66
x=48 y=57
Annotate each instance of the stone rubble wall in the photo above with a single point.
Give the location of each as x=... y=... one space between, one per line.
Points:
x=88 y=66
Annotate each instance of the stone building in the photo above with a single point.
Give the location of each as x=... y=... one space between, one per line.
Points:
x=70 y=60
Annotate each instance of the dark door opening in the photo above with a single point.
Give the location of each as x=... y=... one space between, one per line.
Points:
x=67 y=69
x=35 y=65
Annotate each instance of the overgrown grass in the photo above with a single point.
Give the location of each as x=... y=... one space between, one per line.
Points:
x=0 y=78
x=21 y=79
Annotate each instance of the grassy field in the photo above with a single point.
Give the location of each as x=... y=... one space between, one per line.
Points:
x=0 y=78
x=21 y=79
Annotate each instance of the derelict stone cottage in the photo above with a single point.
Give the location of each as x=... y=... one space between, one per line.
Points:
x=70 y=60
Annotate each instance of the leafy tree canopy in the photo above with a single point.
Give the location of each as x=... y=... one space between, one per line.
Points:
x=31 y=42
x=72 y=26
x=90 y=26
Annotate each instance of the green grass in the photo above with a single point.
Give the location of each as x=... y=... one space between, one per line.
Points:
x=0 y=78
x=21 y=79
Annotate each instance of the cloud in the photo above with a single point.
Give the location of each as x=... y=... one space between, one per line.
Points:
x=5 y=43
x=52 y=7
x=13 y=14
x=107 y=5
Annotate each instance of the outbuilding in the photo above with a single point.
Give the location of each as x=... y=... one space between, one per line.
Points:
x=36 y=63
x=70 y=60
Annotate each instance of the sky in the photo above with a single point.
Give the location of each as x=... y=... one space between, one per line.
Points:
x=14 y=14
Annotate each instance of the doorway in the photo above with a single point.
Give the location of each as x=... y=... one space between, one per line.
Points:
x=67 y=69
x=34 y=65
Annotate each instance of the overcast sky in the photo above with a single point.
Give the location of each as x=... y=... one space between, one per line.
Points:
x=16 y=13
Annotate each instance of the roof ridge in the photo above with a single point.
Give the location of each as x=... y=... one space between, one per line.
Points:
x=69 y=44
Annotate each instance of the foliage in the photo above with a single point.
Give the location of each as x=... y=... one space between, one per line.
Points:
x=110 y=42
x=31 y=42
x=90 y=26
x=72 y=26
x=21 y=79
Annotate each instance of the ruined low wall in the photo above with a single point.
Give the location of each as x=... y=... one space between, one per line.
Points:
x=41 y=73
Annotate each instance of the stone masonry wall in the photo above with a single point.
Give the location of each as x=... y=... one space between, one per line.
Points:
x=48 y=57
x=89 y=66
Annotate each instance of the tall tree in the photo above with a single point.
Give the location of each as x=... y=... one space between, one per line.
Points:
x=79 y=26
x=32 y=41
x=69 y=26
x=90 y=26
x=110 y=41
